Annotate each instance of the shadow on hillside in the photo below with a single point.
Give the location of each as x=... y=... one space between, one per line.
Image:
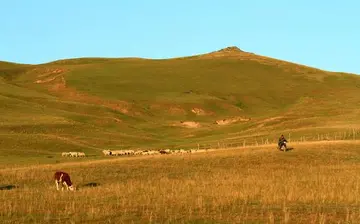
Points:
x=91 y=155
x=7 y=187
x=90 y=184
x=287 y=149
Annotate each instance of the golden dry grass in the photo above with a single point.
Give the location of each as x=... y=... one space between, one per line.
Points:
x=314 y=183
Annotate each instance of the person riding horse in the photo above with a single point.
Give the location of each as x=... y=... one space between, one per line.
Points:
x=282 y=142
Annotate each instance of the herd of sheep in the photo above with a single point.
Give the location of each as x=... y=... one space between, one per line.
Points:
x=133 y=152
x=149 y=152
x=73 y=154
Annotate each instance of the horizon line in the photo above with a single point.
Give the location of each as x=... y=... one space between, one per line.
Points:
x=231 y=48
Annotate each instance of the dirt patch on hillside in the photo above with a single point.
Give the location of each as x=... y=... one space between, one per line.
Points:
x=231 y=120
x=188 y=124
x=198 y=111
x=47 y=75
x=49 y=79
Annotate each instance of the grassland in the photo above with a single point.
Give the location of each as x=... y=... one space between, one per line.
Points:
x=314 y=183
x=89 y=104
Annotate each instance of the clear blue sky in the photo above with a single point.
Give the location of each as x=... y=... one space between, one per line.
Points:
x=319 y=33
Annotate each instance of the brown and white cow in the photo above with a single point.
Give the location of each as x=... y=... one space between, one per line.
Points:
x=63 y=179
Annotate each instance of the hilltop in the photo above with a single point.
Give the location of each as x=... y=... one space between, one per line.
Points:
x=226 y=96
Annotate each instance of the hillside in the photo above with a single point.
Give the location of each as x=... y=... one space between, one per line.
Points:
x=226 y=96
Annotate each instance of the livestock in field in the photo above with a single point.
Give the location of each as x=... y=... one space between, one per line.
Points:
x=129 y=152
x=73 y=154
x=150 y=152
x=63 y=179
x=165 y=151
x=138 y=152
x=81 y=154
x=118 y=153
x=107 y=152
x=65 y=154
x=179 y=151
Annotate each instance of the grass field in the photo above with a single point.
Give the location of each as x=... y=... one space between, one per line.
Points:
x=313 y=183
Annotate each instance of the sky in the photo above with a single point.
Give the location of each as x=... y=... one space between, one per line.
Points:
x=319 y=33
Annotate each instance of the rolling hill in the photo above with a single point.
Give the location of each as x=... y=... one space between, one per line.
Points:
x=223 y=97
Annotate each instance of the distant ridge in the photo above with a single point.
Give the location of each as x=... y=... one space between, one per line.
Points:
x=231 y=51
x=6 y=64
x=235 y=53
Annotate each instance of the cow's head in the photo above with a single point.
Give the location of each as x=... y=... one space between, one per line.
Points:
x=72 y=188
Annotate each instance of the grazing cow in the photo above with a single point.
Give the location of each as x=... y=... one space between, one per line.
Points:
x=63 y=179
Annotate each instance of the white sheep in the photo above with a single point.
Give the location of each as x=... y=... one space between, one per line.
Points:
x=116 y=153
x=107 y=152
x=81 y=154
x=129 y=152
x=165 y=151
x=65 y=154
x=122 y=153
x=138 y=153
x=151 y=152
x=145 y=153
x=73 y=154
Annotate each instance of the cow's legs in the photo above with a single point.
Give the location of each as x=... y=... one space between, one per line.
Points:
x=67 y=187
x=61 y=182
x=57 y=185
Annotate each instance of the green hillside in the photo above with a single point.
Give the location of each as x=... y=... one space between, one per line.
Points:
x=223 y=97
